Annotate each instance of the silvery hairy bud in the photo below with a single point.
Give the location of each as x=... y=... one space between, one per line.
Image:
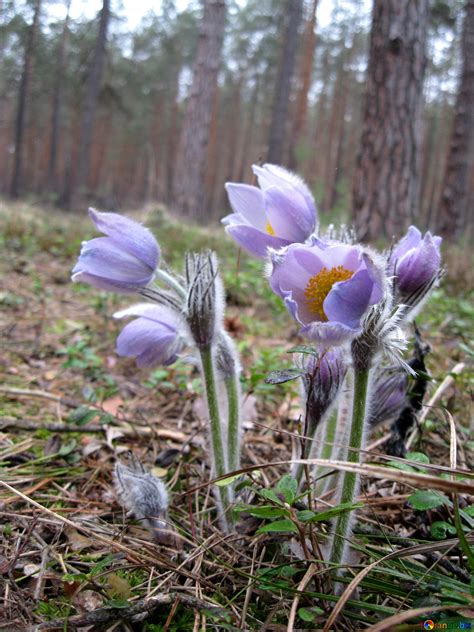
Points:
x=204 y=303
x=145 y=496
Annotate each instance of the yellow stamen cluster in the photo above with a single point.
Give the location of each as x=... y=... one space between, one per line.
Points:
x=320 y=285
x=270 y=230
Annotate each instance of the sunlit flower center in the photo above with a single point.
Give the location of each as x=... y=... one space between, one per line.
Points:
x=270 y=230
x=320 y=285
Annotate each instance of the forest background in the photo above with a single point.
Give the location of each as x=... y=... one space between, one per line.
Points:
x=100 y=107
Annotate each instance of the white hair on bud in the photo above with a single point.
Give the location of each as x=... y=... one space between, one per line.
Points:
x=142 y=494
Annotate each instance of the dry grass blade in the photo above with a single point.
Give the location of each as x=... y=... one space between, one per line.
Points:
x=312 y=569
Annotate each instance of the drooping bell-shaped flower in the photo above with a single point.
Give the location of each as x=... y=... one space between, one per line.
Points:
x=415 y=263
x=388 y=396
x=282 y=211
x=323 y=378
x=153 y=338
x=327 y=288
x=123 y=261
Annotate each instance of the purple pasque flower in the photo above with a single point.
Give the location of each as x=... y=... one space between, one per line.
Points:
x=153 y=338
x=327 y=288
x=323 y=378
x=415 y=262
x=388 y=396
x=123 y=261
x=282 y=211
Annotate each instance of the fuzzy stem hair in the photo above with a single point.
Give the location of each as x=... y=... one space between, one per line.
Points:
x=218 y=456
x=350 y=481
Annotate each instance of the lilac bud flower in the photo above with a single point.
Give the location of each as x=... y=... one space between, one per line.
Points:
x=143 y=495
x=416 y=264
x=327 y=288
x=153 y=338
x=205 y=303
x=388 y=396
x=282 y=211
x=123 y=261
x=322 y=381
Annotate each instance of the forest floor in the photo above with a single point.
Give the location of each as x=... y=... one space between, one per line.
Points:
x=69 y=407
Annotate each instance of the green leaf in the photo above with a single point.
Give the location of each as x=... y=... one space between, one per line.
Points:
x=269 y=494
x=305 y=515
x=439 y=530
x=282 y=526
x=335 y=511
x=288 y=487
x=80 y=416
x=285 y=375
x=228 y=481
x=304 y=349
x=419 y=457
x=268 y=511
x=306 y=615
x=424 y=499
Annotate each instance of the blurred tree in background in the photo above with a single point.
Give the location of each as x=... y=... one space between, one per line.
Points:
x=93 y=113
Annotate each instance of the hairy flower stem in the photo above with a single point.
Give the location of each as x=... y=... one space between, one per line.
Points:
x=326 y=451
x=232 y=389
x=161 y=275
x=219 y=461
x=350 y=482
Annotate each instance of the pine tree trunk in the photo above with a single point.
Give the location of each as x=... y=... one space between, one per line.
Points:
x=301 y=107
x=453 y=207
x=58 y=98
x=93 y=84
x=386 y=175
x=20 y=124
x=283 y=84
x=188 y=182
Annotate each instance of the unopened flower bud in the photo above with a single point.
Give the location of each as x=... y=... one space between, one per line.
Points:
x=143 y=495
x=415 y=263
x=204 y=306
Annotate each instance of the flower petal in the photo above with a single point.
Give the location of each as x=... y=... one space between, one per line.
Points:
x=418 y=266
x=248 y=202
x=103 y=284
x=348 y=300
x=103 y=257
x=253 y=240
x=411 y=240
x=150 y=342
x=288 y=213
x=329 y=334
x=273 y=175
x=129 y=235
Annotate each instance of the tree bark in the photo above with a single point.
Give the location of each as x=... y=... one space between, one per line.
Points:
x=93 y=85
x=453 y=207
x=386 y=175
x=20 y=123
x=301 y=106
x=283 y=84
x=58 y=98
x=188 y=183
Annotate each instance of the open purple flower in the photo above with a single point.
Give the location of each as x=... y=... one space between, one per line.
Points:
x=123 y=261
x=415 y=261
x=281 y=212
x=153 y=338
x=327 y=288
